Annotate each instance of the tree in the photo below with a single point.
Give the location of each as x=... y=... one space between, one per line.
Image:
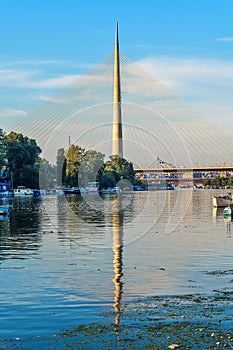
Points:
x=230 y=181
x=48 y=174
x=61 y=167
x=107 y=180
x=3 y=172
x=116 y=168
x=90 y=166
x=22 y=154
x=2 y=148
x=74 y=157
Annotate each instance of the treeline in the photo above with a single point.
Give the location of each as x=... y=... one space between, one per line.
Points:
x=20 y=162
x=218 y=181
x=77 y=167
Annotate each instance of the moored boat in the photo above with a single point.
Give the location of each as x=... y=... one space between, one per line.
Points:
x=73 y=190
x=22 y=191
x=222 y=201
x=5 y=209
x=111 y=190
x=92 y=187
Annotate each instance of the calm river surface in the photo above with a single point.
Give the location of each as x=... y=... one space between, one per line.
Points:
x=66 y=261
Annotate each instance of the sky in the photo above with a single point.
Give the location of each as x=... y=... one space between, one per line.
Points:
x=186 y=45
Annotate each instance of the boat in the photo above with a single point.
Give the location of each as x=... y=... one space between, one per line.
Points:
x=22 y=191
x=92 y=187
x=5 y=209
x=168 y=187
x=111 y=190
x=36 y=193
x=222 y=201
x=73 y=190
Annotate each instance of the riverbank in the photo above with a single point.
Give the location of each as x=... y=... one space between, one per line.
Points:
x=191 y=321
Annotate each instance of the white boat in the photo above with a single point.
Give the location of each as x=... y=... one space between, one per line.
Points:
x=111 y=190
x=4 y=209
x=92 y=187
x=22 y=191
x=222 y=201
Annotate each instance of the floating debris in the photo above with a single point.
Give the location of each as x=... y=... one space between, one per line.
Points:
x=174 y=346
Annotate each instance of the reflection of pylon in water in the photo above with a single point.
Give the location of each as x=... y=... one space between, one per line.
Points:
x=117 y=281
x=117 y=226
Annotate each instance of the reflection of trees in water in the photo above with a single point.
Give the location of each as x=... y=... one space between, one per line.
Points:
x=20 y=232
x=83 y=209
x=96 y=209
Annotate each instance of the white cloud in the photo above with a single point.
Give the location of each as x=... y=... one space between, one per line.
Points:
x=43 y=62
x=11 y=112
x=10 y=116
x=186 y=77
x=33 y=79
x=206 y=85
x=62 y=81
x=37 y=74
x=180 y=70
x=226 y=39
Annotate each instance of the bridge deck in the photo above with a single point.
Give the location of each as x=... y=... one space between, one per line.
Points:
x=217 y=168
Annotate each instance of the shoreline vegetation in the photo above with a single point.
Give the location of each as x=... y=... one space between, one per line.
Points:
x=21 y=164
x=189 y=321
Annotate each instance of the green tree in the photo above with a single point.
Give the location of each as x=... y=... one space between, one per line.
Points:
x=216 y=181
x=74 y=157
x=22 y=154
x=61 y=167
x=230 y=181
x=29 y=177
x=90 y=166
x=48 y=174
x=2 y=149
x=116 y=168
x=107 y=180
x=3 y=171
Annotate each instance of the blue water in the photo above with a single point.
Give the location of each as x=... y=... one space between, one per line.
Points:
x=66 y=261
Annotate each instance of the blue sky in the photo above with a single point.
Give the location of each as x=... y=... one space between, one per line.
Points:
x=186 y=45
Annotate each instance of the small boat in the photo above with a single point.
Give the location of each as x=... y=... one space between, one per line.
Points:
x=73 y=190
x=22 y=191
x=5 y=209
x=222 y=201
x=111 y=190
x=92 y=187
x=36 y=193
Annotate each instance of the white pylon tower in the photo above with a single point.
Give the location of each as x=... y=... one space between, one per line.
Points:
x=117 y=146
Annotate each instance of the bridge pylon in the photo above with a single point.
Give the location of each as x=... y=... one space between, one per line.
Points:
x=117 y=144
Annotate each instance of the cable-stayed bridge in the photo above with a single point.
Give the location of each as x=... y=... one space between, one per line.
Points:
x=194 y=174
x=154 y=120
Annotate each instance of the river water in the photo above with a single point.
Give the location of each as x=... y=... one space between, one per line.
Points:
x=71 y=260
